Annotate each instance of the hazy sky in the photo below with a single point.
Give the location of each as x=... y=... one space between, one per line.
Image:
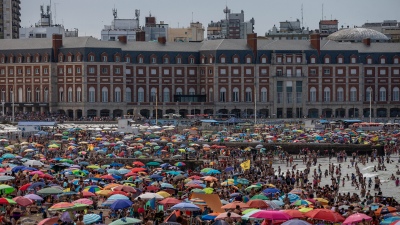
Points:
x=90 y=16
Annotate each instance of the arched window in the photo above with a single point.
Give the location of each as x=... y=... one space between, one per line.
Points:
x=61 y=94
x=368 y=94
x=327 y=94
x=3 y=95
x=92 y=94
x=78 y=94
x=248 y=94
x=313 y=94
x=140 y=95
x=210 y=95
x=192 y=91
x=235 y=94
x=395 y=94
x=37 y=95
x=11 y=95
x=222 y=94
x=353 y=94
x=46 y=95
x=117 y=94
x=104 y=94
x=153 y=95
x=178 y=91
x=128 y=93
x=382 y=94
x=70 y=94
x=28 y=95
x=339 y=94
x=263 y=95
x=203 y=91
x=166 y=95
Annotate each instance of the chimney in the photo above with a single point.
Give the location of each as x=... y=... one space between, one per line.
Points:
x=252 y=42
x=367 y=41
x=315 y=41
x=123 y=39
x=57 y=44
x=162 y=40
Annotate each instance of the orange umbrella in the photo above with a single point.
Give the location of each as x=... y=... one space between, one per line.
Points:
x=112 y=185
x=169 y=201
x=233 y=205
x=385 y=210
x=119 y=192
x=257 y=203
x=210 y=178
x=125 y=189
x=294 y=213
x=325 y=215
x=87 y=194
x=140 y=169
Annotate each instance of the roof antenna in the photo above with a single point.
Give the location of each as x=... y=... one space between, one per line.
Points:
x=322 y=11
x=192 y=17
x=115 y=13
x=301 y=15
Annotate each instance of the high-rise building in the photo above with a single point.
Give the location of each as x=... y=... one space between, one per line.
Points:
x=121 y=27
x=154 y=30
x=390 y=28
x=327 y=27
x=194 y=33
x=288 y=30
x=10 y=19
x=232 y=27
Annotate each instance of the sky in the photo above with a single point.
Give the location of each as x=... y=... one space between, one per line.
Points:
x=90 y=16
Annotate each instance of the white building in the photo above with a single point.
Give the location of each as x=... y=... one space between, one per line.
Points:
x=121 y=27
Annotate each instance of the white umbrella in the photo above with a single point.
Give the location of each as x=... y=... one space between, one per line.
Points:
x=149 y=195
x=184 y=206
x=33 y=163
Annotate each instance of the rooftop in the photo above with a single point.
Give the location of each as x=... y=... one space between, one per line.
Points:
x=357 y=35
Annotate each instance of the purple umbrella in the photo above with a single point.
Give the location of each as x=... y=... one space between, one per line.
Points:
x=34 y=197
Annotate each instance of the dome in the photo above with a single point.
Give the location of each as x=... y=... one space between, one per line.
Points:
x=357 y=35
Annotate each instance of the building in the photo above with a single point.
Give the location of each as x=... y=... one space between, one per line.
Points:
x=327 y=27
x=122 y=27
x=85 y=77
x=153 y=30
x=288 y=30
x=391 y=28
x=10 y=19
x=194 y=33
x=45 y=27
x=232 y=27
x=357 y=35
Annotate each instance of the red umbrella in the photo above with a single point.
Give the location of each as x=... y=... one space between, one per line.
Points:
x=135 y=170
x=152 y=188
x=195 y=177
x=125 y=188
x=326 y=215
x=119 y=192
x=130 y=174
x=271 y=215
x=138 y=163
x=88 y=194
x=49 y=221
x=233 y=205
x=257 y=203
x=169 y=201
x=356 y=218
x=294 y=213
x=22 y=201
x=46 y=176
x=25 y=187
x=107 y=177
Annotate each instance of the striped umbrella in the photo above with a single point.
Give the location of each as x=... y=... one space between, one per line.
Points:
x=90 y=218
x=6 y=201
x=61 y=206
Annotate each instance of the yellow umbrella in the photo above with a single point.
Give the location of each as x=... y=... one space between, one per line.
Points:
x=130 y=184
x=104 y=192
x=164 y=194
x=110 y=186
x=93 y=167
x=322 y=200
x=305 y=210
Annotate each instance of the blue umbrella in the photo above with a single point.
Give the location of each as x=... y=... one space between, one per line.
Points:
x=173 y=172
x=165 y=165
x=121 y=204
x=17 y=169
x=211 y=172
x=116 y=177
x=271 y=191
x=114 y=164
x=184 y=206
x=108 y=202
x=208 y=217
x=118 y=197
x=166 y=185
x=229 y=169
x=113 y=171
x=123 y=171
x=30 y=168
x=8 y=156
x=37 y=184
x=90 y=218
x=292 y=197
x=389 y=220
x=156 y=176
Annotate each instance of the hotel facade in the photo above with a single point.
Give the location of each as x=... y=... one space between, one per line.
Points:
x=85 y=77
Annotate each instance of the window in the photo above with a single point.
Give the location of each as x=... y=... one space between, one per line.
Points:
x=298 y=59
x=203 y=60
x=117 y=70
x=339 y=95
x=128 y=94
x=60 y=70
x=19 y=71
x=178 y=60
x=353 y=71
x=248 y=60
x=298 y=73
x=369 y=61
x=153 y=60
x=353 y=94
x=166 y=71
x=78 y=58
x=92 y=94
x=117 y=59
x=263 y=60
x=327 y=71
x=313 y=71
x=61 y=94
x=69 y=58
x=128 y=59
x=279 y=59
x=153 y=71
x=235 y=94
x=117 y=94
x=104 y=58
x=153 y=95
x=312 y=60
x=11 y=72
x=3 y=95
x=235 y=71
x=369 y=71
x=327 y=94
x=91 y=70
x=28 y=59
x=248 y=96
x=248 y=71
x=396 y=72
x=37 y=59
x=78 y=69
x=382 y=72
x=46 y=95
x=263 y=95
x=289 y=59
x=223 y=71
x=222 y=59
x=60 y=58
x=28 y=95
x=46 y=59
x=211 y=60
x=166 y=95
x=289 y=72
x=104 y=70
x=368 y=94
x=140 y=71
x=353 y=60
x=289 y=92
x=222 y=95
x=327 y=60
x=166 y=60
x=191 y=72
x=178 y=91
x=70 y=94
x=140 y=59
x=396 y=61
x=140 y=95
x=383 y=60
x=263 y=71
x=191 y=60
x=299 y=91
x=395 y=94
x=235 y=60
x=203 y=91
x=340 y=60
x=210 y=95
x=192 y=91
x=104 y=94
x=78 y=94
x=11 y=95
x=382 y=94
x=69 y=70
x=3 y=71
x=178 y=72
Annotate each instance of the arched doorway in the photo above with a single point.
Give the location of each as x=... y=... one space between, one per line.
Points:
x=145 y=113
x=159 y=113
x=130 y=111
x=79 y=114
x=353 y=113
x=209 y=112
x=313 y=113
x=195 y=111
x=117 y=113
x=70 y=113
x=340 y=113
x=223 y=111
x=366 y=112
x=394 y=112
x=61 y=112
x=381 y=112
x=104 y=113
x=91 y=113
x=249 y=113
x=264 y=113
x=327 y=113
x=183 y=112
x=236 y=112
x=168 y=111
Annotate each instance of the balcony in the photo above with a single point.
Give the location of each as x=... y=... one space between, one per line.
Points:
x=190 y=98
x=289 y=75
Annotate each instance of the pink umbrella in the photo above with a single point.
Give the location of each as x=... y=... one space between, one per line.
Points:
x=36 y=172
x=223 y=216
x=49 y=221
x=356 y=218
x=84 y=201
x=271 y=215
x=22 y=201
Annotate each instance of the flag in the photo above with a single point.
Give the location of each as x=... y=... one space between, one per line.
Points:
x=245 y=165
x=151 y=203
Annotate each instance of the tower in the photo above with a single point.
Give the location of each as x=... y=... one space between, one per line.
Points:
x=10 y=19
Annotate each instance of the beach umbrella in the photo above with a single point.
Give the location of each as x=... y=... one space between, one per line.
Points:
x=258 y=203
x=180 y=164
x=149 y=195
x=296 y=222
x=390 y=220
x=85 y=201
x=25 y=187
x=138 y=163
x=49 y=221
x=90 y=218
x=118 y=197
x=37 y=185
x=22 y=201
x=153 y=164
x=16 y=169
x=124 y=188
x=275 y=204
x=49 y=191
x=33 y=163
x=86 y=194
x=262 y=197
x=357 y=218
x=302 y=202
x=8 y=156
x=164 y=194
x=292 y=197
x=166 y=185
x=385 y=210
x=393 y=214
x=254 y=186
x=294 y=213
x=169 y=201
x=6 y=189
x=184 y=206
x=6 y=201
x=305 y=210
x=126 y=221
x=92 y=188
x=6 y=178
x=121 y=204
x=271 y=215
x=269 y=191
x=223 y=216
x=325 y=214
x=61 y=206
x=93 y=167
x=34 y=197
x=233 y=205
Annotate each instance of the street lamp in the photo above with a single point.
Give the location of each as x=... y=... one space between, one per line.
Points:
x=2 y=104
x=370 y=104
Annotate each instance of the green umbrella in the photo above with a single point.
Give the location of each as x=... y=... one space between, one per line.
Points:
x=262 y=197
x=50 y=191
x=142 y=157
x=78 y=207
x=66 y=160
x=126 y=221
x=156 y=147
x=197 y=190
x=65 y=137
x=152 y=164
x=253 y=187
x=6 y=189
